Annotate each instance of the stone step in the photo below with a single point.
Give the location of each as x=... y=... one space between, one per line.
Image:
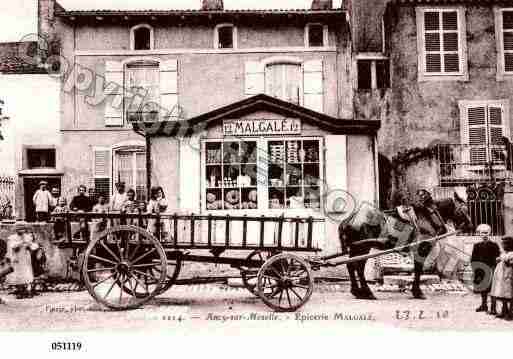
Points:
x=405 y=280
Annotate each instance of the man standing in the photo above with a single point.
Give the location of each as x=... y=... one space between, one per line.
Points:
x=483 y=262
x=42 y=201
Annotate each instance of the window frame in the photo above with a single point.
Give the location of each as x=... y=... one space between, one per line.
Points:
x=373 y=58
x=126 y=64
x=49 y=150
x=464 y=105
x=262 y=177
x=234 y=36
x=325 y=35
x=133 y=149
x=286 y=61
x=133 y=29
x=423 y=75
x=499 y=37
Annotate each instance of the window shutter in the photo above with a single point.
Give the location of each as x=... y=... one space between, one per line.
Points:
x=313 y=86
x=114 y=91
x=507 y=39
x=336 y=169
x=101 y=171
x=477 y=134
x=254 y=78
x=169 y=88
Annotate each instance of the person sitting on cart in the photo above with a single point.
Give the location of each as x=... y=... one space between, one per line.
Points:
x=483 y=262
x=119 y=197
x=130 y=206
x=59 y=226
x=82 y=203
x=100 y=224
x=156 y=205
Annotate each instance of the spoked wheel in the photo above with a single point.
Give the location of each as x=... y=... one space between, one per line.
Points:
x=124 y=267
x=285 y=282
x=249 y=275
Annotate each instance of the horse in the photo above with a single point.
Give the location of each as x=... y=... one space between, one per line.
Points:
x=426 y=219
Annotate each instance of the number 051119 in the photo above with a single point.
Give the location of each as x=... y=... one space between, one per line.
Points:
x=66 y=346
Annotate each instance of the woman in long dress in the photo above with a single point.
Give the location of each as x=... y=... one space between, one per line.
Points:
x=502 y=286
x=20 y=246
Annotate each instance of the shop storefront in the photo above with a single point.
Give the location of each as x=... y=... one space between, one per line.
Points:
x=263 y=156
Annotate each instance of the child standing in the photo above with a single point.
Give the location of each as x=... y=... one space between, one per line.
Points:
x=59 y=223
x=19 y=251
x=502 y=287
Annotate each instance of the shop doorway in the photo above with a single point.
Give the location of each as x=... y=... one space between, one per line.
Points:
x=30 y=186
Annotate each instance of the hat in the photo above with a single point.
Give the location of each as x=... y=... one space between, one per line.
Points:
x=120 y=184
x=43 y=182
x=483 y=227
x=55 y=190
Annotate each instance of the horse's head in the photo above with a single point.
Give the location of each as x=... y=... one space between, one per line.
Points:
x=461 y=215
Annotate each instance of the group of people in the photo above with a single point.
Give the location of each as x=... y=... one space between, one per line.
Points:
x=493 y=273
x=122 y=201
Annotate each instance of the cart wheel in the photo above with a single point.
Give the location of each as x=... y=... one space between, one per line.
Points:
x=249 y=276
x=285 y=282
x=124 y=256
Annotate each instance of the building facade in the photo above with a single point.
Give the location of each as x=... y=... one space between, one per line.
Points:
x=282 y=80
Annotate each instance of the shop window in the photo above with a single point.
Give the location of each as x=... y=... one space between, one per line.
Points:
x=262 y=174
x=141 y=37
x=231 y=175
x=373 y=74
x=41 y=158
x=225 y=36
x=294 y=174
x=143 y=79
x=130 y=167
x=316 y=35
x=284 y=81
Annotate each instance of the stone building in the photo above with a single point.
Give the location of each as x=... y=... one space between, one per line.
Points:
x=444 y=99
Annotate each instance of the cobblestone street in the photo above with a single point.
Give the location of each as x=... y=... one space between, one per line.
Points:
x=204 y=305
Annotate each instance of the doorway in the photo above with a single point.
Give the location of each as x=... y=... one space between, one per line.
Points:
x=30 y=186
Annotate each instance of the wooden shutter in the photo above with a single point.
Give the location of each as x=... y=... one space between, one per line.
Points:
x=507 y=39
x=254 y=78
x=101 y=171
x=477 y=136
x=313 y=86
x=336 y=169
x=114 y=93
x=169 y=88
x=441 y=32
x=497 y=129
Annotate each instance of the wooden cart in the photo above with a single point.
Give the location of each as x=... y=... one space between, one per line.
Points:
x=124 y=265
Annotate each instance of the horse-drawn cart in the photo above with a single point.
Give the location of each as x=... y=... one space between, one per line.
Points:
x=124 y=265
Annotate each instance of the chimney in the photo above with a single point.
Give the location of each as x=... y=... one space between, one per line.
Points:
x=212 y=5
x=322 y=4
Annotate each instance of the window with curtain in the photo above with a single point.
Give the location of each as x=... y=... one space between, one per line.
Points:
x=142 y=78
x=284 y=81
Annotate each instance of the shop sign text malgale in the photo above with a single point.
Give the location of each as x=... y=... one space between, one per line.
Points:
x=262 y=127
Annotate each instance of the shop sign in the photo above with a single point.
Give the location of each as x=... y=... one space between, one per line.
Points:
x=261 y=127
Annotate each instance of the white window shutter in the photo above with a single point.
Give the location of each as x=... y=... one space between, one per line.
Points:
x=101 y=170
x=336 y=169
x=254 y=78
x=169 y=88
x=313 y=85
x=477 y=133
x=114 y=91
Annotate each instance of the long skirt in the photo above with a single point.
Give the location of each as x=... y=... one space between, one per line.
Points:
x=22 y=265
x=502 y=284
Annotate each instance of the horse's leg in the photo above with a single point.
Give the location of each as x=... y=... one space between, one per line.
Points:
x=418 y=267
x=355 y=290
x=365 y=289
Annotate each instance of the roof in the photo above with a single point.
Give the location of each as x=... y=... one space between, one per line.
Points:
x=251 y=105
x=16 y=65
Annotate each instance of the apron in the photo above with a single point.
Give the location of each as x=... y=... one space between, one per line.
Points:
x=19 y=252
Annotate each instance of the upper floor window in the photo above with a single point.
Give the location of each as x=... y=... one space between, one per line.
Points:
x=373 y=72
x=284 y=81
x=41 y=158
x=141 y=37
x=225 y=36
x=504 y=35
x=143 y=79
x=442 y=43
x=316 y=35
